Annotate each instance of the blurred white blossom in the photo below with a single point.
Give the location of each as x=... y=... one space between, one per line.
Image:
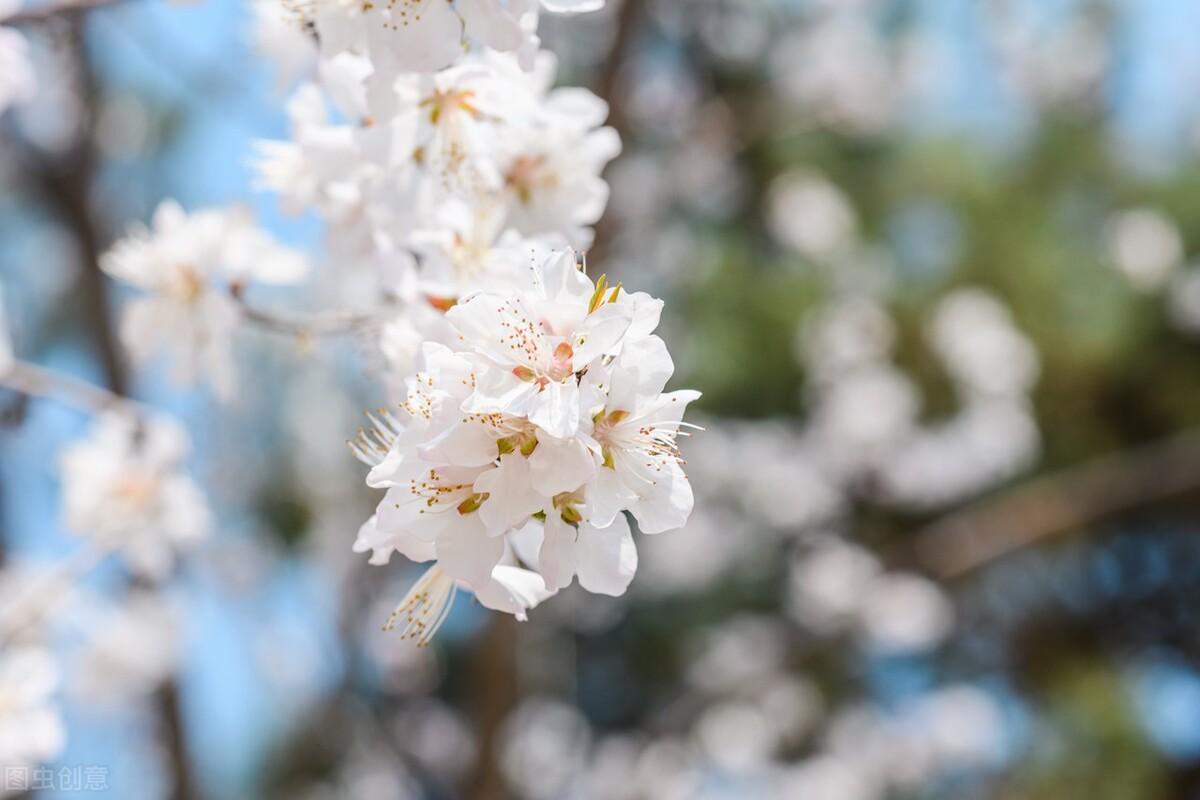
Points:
x=130 y=651
x=123 y=489
x=31 y=729
x=1145 y=246
x=811 y=215
x=184 y=265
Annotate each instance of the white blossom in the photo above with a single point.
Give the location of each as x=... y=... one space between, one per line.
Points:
x=18 y=82
x=1145 y=246
x=31 y=730
x=130 y=649
x=123 y=489
x=184 y=265
x=424 y=36
x=548 y=418
x=276 y=34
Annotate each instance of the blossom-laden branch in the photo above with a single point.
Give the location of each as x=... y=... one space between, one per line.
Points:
x=122 y=486
x=306 y=326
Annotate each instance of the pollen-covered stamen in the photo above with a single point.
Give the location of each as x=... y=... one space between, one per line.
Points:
x=654 y=443
x=559 y=369
x=403 y=12
x=371 y=445
x=421 y=401
x=438 y=492
x=425 y=607
x=440 y=103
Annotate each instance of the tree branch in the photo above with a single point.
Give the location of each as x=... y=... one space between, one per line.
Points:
x=50 y=11
x=309 y=325
x=609 y=89
x=1061 y=502
x=35 y=381
x=66 y=182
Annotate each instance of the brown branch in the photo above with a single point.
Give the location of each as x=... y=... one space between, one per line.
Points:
x=610 y=89
x=304 y=326
x=494 y=694
x=1060 y=503
x=49 y=11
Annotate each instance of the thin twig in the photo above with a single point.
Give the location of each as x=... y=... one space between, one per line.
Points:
x=35 y=381
x=60 y=585
x=1059 y=503
x=309 y=325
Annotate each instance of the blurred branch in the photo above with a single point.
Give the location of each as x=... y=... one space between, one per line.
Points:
x=610 y=89
x=35 y=381
x=304 y=326
x=1061 y=502
x=183 y=781
x=66 y=181
x=27 y=610
x=49 y=11
x=494 y=693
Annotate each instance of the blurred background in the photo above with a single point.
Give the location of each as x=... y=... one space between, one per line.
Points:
x=928 y=260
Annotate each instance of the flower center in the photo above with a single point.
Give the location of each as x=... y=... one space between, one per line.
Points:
x=441 y=102
x=525 y=174
x=559 y=369
x=136 y=490
x=186 y=286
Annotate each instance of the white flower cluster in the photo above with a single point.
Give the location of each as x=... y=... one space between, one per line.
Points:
x=430 y=143
x=524 y=441
x=420 y=36
x=447 y=171
x=453 y=181
x=31 y=729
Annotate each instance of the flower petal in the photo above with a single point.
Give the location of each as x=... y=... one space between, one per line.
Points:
x=606 y=557
x=467 y=553
x=557 y=556
x=560 y=465
x=510 y=497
